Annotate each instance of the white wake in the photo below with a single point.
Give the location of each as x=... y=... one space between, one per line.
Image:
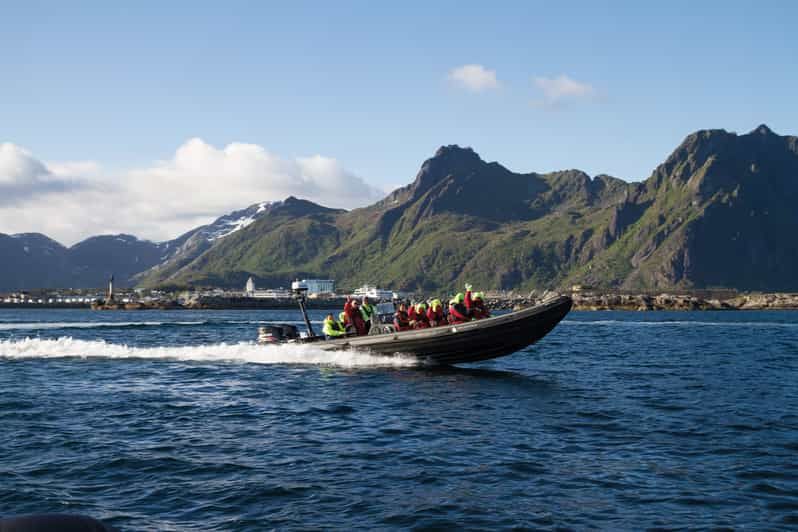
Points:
x=246 y=352
x=13 y=326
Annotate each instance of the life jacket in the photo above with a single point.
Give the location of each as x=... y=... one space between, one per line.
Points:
x=479 y=310
x=458 y=313
x=333 y=328
x=421 y=321
x=476 y=306
x=346 y=323
x=367 y=311
x=436 y=316
x=401 y=321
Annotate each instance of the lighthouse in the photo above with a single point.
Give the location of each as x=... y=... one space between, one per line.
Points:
x=110 y=289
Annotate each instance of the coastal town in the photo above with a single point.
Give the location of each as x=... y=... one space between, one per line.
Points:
x=323 y=293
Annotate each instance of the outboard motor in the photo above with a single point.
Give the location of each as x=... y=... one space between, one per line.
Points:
x=272 y=334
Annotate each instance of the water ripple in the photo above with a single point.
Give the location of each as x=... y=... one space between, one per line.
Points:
x=615 y=421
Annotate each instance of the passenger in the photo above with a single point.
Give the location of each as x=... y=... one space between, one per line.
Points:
x=475 y=303
x=347 y=324
x=411 y=314
x=458 y=313
x=333 y=328
x=421 y=317
x=352 y=310
x=400 y=320
x=435 y=314
x=367 y=311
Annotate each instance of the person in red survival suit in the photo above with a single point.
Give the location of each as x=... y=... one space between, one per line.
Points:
x=435 y=314
x=475 y=303
x=411 y=314
x=400 y=320
x=421 y=317
x=352 y=311
x=458 y=313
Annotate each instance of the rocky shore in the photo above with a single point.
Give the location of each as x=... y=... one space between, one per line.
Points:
x=509 y=301
x=664 y=301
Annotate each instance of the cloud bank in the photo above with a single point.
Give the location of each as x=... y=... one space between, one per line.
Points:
x=474 y=78
x=22 y=176
x=71 y=200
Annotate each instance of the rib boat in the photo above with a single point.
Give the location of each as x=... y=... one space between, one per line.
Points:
x=473 y=341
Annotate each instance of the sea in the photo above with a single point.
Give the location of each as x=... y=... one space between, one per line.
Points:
x=616 y=420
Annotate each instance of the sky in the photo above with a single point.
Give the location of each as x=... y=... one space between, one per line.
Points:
x=153 y=117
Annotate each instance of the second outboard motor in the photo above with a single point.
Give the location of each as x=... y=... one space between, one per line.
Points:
x=272 y=334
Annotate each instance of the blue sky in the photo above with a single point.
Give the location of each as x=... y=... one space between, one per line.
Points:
x=368 y=84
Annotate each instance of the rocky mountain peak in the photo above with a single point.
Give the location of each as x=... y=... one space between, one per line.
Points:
x=294 y=206
x=455 y=151
x=447 y=161
x=762 y=130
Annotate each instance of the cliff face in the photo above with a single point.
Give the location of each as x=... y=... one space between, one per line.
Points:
x=719 y=212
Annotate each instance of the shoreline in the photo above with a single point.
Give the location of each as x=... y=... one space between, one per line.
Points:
x=591 y=301
x=586 y=301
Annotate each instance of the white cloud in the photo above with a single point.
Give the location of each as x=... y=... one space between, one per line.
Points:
x=161 y=200
x=23 y=176
x=70 y=169
x=562 y=90
x=475 y=78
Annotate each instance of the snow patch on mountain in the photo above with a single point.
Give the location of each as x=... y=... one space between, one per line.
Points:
x=230 y=226
x=236 y=221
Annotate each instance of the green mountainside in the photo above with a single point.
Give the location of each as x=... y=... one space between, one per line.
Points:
x=719 y=212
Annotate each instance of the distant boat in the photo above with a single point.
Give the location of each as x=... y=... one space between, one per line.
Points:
x=450 y=344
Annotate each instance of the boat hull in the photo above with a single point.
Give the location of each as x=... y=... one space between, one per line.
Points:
x=468 y=342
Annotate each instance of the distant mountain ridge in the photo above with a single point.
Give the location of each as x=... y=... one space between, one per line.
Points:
x=720 y=212
x=32 y=260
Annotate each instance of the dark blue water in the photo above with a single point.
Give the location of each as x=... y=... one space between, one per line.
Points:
x=176 y=421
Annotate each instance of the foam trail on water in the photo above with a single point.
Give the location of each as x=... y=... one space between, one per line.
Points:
x=82 y=325
x=241 y=352
x=42 y=325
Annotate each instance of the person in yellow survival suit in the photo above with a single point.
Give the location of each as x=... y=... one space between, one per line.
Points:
x=333 y=328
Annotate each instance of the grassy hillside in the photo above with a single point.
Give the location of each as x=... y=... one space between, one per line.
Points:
x=719 y=212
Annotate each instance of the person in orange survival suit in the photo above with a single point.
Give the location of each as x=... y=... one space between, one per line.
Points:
x=475 y=304
x=458 y=313
x=421 y=317
x=435 y=314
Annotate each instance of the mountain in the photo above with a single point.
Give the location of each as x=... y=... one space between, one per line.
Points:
x=31 y=260
x=180 y=252
x=718 y=213
x=92 y=261
x=270 y=240
x=30 y=256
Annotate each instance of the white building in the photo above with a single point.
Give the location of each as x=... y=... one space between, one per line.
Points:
x=272 y=293
x=319 y=286
x=249 y=289
x=374 y=293
x=269 y=293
